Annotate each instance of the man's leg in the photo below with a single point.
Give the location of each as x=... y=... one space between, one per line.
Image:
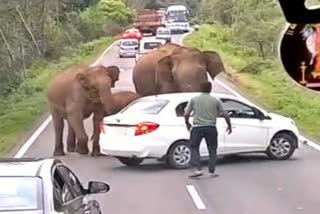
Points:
x=195 y=140
x=211 y=137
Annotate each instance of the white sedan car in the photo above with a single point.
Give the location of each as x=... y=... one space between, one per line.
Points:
x=154 y=127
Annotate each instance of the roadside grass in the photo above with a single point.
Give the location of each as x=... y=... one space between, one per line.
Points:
x=20 y=110
x=263 y=81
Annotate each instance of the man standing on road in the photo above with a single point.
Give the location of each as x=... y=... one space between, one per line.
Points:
x=206 y=110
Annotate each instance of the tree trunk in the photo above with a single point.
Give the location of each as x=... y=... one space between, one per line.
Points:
x=261 y=50
x=28 y=29
x=4 y=39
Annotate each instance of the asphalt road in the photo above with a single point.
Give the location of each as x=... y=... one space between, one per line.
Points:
x=246 y=185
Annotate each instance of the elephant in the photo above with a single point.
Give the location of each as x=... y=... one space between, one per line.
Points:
x=143 y=75
x=174 y=68
x=184 y=71
x=74 y=95
x=121 y=100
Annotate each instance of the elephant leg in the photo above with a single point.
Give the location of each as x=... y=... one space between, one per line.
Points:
x=71 y=140
x=76 y=122
x=97 y=118
x=58 y=124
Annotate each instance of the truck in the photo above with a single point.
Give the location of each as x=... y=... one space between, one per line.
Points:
x=147 y=21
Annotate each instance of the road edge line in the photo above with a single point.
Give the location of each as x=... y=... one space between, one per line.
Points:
x=27 y=144
x=302 y=138
x=196 y=197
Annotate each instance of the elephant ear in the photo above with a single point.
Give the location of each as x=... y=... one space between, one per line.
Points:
x=213 y=63
x=164 y=68
x=113 y=72
x=84 y=81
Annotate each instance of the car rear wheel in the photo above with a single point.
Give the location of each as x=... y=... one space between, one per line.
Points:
x=179 y=155
x=282 y=146
x=130 y=161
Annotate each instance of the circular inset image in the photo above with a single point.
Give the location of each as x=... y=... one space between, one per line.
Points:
x=300 y=54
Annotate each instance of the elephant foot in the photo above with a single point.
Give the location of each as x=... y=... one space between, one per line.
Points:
x=82 y=150
x=71 y=149
x=96 y=153
x=58 y=152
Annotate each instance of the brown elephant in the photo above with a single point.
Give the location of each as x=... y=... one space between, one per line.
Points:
x=143 y=75
x=175 y=68
x=121 y=100
x=74 y=95
x=184 y=70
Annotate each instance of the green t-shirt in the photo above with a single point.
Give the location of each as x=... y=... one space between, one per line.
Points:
x=206 y=109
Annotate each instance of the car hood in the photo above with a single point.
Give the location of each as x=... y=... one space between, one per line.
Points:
x=278 y=117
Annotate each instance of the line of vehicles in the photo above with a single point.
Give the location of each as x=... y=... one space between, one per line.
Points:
x=161 y=24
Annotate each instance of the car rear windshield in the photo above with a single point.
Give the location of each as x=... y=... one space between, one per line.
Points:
x=20 y=194
x=146 y=107
x=151 y=45
x=164 y=32
x=130 y=43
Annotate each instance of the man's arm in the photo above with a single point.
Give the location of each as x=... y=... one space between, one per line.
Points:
x=187 y=113
x=225 y=115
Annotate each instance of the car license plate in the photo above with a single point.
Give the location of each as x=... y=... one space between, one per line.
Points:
x=120 y=131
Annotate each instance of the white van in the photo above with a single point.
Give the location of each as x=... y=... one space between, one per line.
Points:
x=147 y=45
x=164 y=33
x=177 y=9
x=177 y=23
x=177 y=18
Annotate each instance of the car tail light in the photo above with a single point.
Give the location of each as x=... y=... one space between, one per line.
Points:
x=145 y=128
x=102 y=127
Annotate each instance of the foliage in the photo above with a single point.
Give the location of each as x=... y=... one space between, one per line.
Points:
x=153 y=4
x=115 y=10
x=20 y=110
x=261 y=79
x=31 y=30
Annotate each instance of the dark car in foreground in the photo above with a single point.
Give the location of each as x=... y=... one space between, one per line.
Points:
x=45 y=186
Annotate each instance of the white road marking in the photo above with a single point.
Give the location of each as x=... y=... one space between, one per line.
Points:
x=302 y=138
x=22 y=151
x=195 y=197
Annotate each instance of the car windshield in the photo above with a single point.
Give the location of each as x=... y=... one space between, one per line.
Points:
x=151 y=45
x=129 y=43
x=20 y=194
x=146 y=107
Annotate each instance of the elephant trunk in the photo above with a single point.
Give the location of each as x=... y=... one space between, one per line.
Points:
x=106 y=100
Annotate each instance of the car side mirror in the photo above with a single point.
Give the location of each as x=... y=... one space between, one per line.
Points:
x=96 y=187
